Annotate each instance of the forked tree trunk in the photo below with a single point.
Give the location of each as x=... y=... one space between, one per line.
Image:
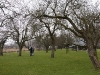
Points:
x=93 y=55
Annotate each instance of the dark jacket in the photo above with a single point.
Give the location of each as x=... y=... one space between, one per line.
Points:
x=31 y=50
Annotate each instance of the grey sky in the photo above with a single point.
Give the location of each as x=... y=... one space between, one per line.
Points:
x=33 y=4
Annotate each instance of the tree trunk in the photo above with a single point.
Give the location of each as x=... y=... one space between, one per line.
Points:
x=67 y=50
x=46 y=51
x=93 y=55
x=20 y=52
x=95 y=61
x=53 y=51
x=53 y=46
x=1 y=52
x=47 y=48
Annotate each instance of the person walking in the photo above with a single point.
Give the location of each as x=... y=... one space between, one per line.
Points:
x=31 y=51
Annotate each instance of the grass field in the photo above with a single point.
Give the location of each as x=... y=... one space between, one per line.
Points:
x=73 y=63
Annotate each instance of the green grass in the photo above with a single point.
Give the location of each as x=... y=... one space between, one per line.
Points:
x=73 y=63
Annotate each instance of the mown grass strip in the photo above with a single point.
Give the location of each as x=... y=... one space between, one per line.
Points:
x=72 y=63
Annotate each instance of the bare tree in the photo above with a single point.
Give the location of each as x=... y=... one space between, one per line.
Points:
x=51 y=28
x=46 y=42
x=3 y=38
x=83 y=20
x=15 y=19
x=19 y=27
x=65 y=39
x=38 y=39
x=47 y=24
x=4 y=32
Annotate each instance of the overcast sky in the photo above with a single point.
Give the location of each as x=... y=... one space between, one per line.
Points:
x=34 y=5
